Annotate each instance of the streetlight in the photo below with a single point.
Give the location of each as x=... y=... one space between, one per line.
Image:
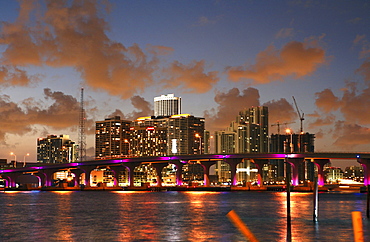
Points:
x=24 y=159
x=129 y=149
x=200 y=142
x=15 y=159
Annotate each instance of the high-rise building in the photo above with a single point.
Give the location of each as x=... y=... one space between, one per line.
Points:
x=293 y=143
x=247 y=134
x=167 y=105
x=112 y=138
x=56 y=149
x=181 y=134
x=225 y=141
x=255 y=125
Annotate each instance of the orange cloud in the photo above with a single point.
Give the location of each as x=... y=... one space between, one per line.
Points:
x=364 y=70
x=62 y=112
x=322 y=121
x=361 y=41
x=192 y=77
x=229 y=105
x=73 y=34
x=281 y=111
x=349 y=136
x=356 y=106
x=143 y=107
x=159 y=49
x=295 y=59
x=353 y=105
x=13 y=76
x=327 y=101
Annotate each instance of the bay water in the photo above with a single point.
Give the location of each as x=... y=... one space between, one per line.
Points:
x=175 y=216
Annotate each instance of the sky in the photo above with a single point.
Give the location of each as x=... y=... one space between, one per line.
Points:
x=220 y=57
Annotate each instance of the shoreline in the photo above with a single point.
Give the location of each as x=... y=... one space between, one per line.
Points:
x=271 y=188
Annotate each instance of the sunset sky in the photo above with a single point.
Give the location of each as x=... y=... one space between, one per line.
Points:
x=219 y=56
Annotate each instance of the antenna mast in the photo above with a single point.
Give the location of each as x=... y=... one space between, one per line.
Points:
x=81 y=136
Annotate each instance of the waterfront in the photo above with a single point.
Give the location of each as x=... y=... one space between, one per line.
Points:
x=174 y=216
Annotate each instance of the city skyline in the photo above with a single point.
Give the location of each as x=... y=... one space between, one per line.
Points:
x=220 y=57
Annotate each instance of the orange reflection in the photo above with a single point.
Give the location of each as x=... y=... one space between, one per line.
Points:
x=200 y=193
x=197 y=210
x=64 y=223
x=300 y=208
x=12 y=191
x=62 y=192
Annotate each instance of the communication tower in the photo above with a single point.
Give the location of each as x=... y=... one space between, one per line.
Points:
x=81 y=135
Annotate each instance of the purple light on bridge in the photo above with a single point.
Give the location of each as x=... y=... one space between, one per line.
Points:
x=164 y=158
x=116 y=161
x=278 y=156
x=38 y=167
x=292 y=156
x=5 y=171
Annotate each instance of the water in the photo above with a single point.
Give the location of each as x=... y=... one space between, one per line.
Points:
x=174 y=216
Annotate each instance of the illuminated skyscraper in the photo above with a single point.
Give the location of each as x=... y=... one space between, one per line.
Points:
x=167 y=105
x=181 y=134
x=112 y=138
x=247 y=134
x=56 y=149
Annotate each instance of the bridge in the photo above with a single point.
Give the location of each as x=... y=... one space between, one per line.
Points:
x=45 y=172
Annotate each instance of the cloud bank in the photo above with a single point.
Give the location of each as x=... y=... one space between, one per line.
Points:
x=295 y=59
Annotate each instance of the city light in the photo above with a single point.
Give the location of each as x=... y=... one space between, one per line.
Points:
x=24 y=159
x=200 y=142
x=15 y=159
x=129 y=146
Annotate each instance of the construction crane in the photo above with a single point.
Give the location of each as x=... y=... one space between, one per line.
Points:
x=301 y=117
x=278 y=125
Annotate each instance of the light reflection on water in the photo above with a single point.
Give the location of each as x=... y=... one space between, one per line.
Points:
x=174 y=216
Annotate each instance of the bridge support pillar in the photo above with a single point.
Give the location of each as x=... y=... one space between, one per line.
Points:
x=158 y=168
x=206 y=166
x=117 y=170
x=233 y=162
x=6 y=181
x=179 y=164
x=87 y=170
x=320 y=163
x=365 y=162
x=295 y=162
x=259 y=164
x=131 y=172
x=11 y=179
x=77 y=178
x=46 y=177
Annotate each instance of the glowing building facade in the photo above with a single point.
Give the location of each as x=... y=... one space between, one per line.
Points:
x=180 y=134
x=112 y=138
x=56 y=149
x=247 y=134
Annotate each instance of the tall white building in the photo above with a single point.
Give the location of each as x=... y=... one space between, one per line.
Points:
x=167 y=105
